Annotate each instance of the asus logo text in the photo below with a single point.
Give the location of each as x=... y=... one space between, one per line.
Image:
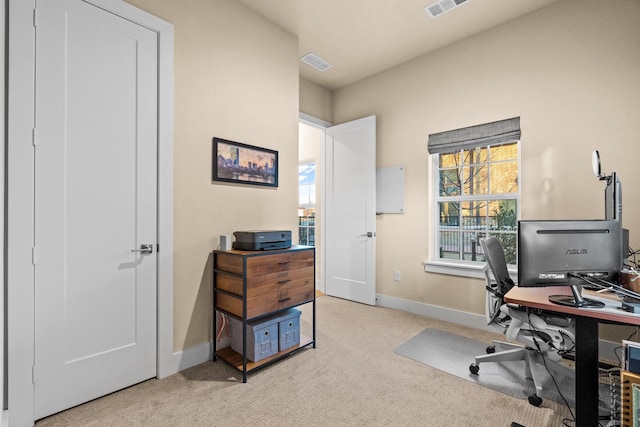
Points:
x=576 y=252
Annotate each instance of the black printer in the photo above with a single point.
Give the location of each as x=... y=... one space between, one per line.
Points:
x=261 y=240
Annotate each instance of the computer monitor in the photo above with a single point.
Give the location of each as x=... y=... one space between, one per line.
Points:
x=569 y=253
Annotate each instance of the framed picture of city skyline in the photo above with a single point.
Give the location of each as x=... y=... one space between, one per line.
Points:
x=244 y=164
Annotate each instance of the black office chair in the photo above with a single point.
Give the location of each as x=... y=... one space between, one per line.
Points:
x=537 y=333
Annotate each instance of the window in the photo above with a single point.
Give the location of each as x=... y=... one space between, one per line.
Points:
x=477 y=192
x=477 y=196
x=307 y=204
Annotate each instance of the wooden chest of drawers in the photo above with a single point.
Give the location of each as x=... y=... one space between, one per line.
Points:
x=253 y=284
x=273 y=281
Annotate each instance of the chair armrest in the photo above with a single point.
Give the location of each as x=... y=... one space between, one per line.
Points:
x=495 y=292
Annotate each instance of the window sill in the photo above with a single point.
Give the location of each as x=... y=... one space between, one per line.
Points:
x=459 y=269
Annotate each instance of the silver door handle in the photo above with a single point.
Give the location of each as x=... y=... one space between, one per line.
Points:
x=369 y=234
x=144 y=249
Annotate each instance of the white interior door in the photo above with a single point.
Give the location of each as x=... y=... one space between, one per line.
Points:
x=95 y=202
x=350 y=210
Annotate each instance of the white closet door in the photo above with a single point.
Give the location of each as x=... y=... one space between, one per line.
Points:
x=95 y=202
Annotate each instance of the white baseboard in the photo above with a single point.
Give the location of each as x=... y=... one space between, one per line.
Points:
x=464 y=318
x=606 y=348
x=188 y=358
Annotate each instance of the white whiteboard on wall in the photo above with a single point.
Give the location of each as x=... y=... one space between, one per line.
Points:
x=390 y=190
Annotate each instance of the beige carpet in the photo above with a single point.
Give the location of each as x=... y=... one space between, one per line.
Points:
x=352 y=378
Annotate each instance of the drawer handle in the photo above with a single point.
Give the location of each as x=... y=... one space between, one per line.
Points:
x=284 y=299
x=284 y=263
x=282 y=282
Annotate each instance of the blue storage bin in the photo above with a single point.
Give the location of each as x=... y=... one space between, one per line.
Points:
x=289 y=329
x=262 y=338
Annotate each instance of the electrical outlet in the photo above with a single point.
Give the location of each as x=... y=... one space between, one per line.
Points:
x=396 y=275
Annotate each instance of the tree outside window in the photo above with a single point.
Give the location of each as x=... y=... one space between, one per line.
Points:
x=478 y=196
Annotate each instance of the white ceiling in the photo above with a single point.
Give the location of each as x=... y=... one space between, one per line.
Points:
x=361 y=38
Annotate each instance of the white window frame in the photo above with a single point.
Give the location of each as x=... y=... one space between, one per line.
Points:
x=460 y=267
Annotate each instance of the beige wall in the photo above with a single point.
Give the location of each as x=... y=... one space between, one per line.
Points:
x=315 y=101
x=571 y=71
x=236 y=77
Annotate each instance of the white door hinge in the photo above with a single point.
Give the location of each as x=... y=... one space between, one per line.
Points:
x=33 y=255
x=33 y=374
x=35 y=17
x=34 y=135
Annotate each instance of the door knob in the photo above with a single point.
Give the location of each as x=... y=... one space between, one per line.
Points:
x=369 y=234
x=144 y=249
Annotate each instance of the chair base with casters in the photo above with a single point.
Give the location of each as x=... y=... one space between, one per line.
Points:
x=512 y=352
x=537 y=334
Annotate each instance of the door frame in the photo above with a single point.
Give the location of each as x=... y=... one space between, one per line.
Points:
x=3 y=145
x=19 y=271
x=320 y=124
x=326 y=159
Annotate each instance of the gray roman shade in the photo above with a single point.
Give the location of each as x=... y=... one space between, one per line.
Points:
x=475 y=136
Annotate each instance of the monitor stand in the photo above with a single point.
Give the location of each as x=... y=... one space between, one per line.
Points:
x=575 y=300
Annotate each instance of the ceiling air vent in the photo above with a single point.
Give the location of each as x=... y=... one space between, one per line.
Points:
x=315 y=61
x=443 y=6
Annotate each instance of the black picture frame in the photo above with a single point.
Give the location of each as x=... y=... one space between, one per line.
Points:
x=243 y=163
